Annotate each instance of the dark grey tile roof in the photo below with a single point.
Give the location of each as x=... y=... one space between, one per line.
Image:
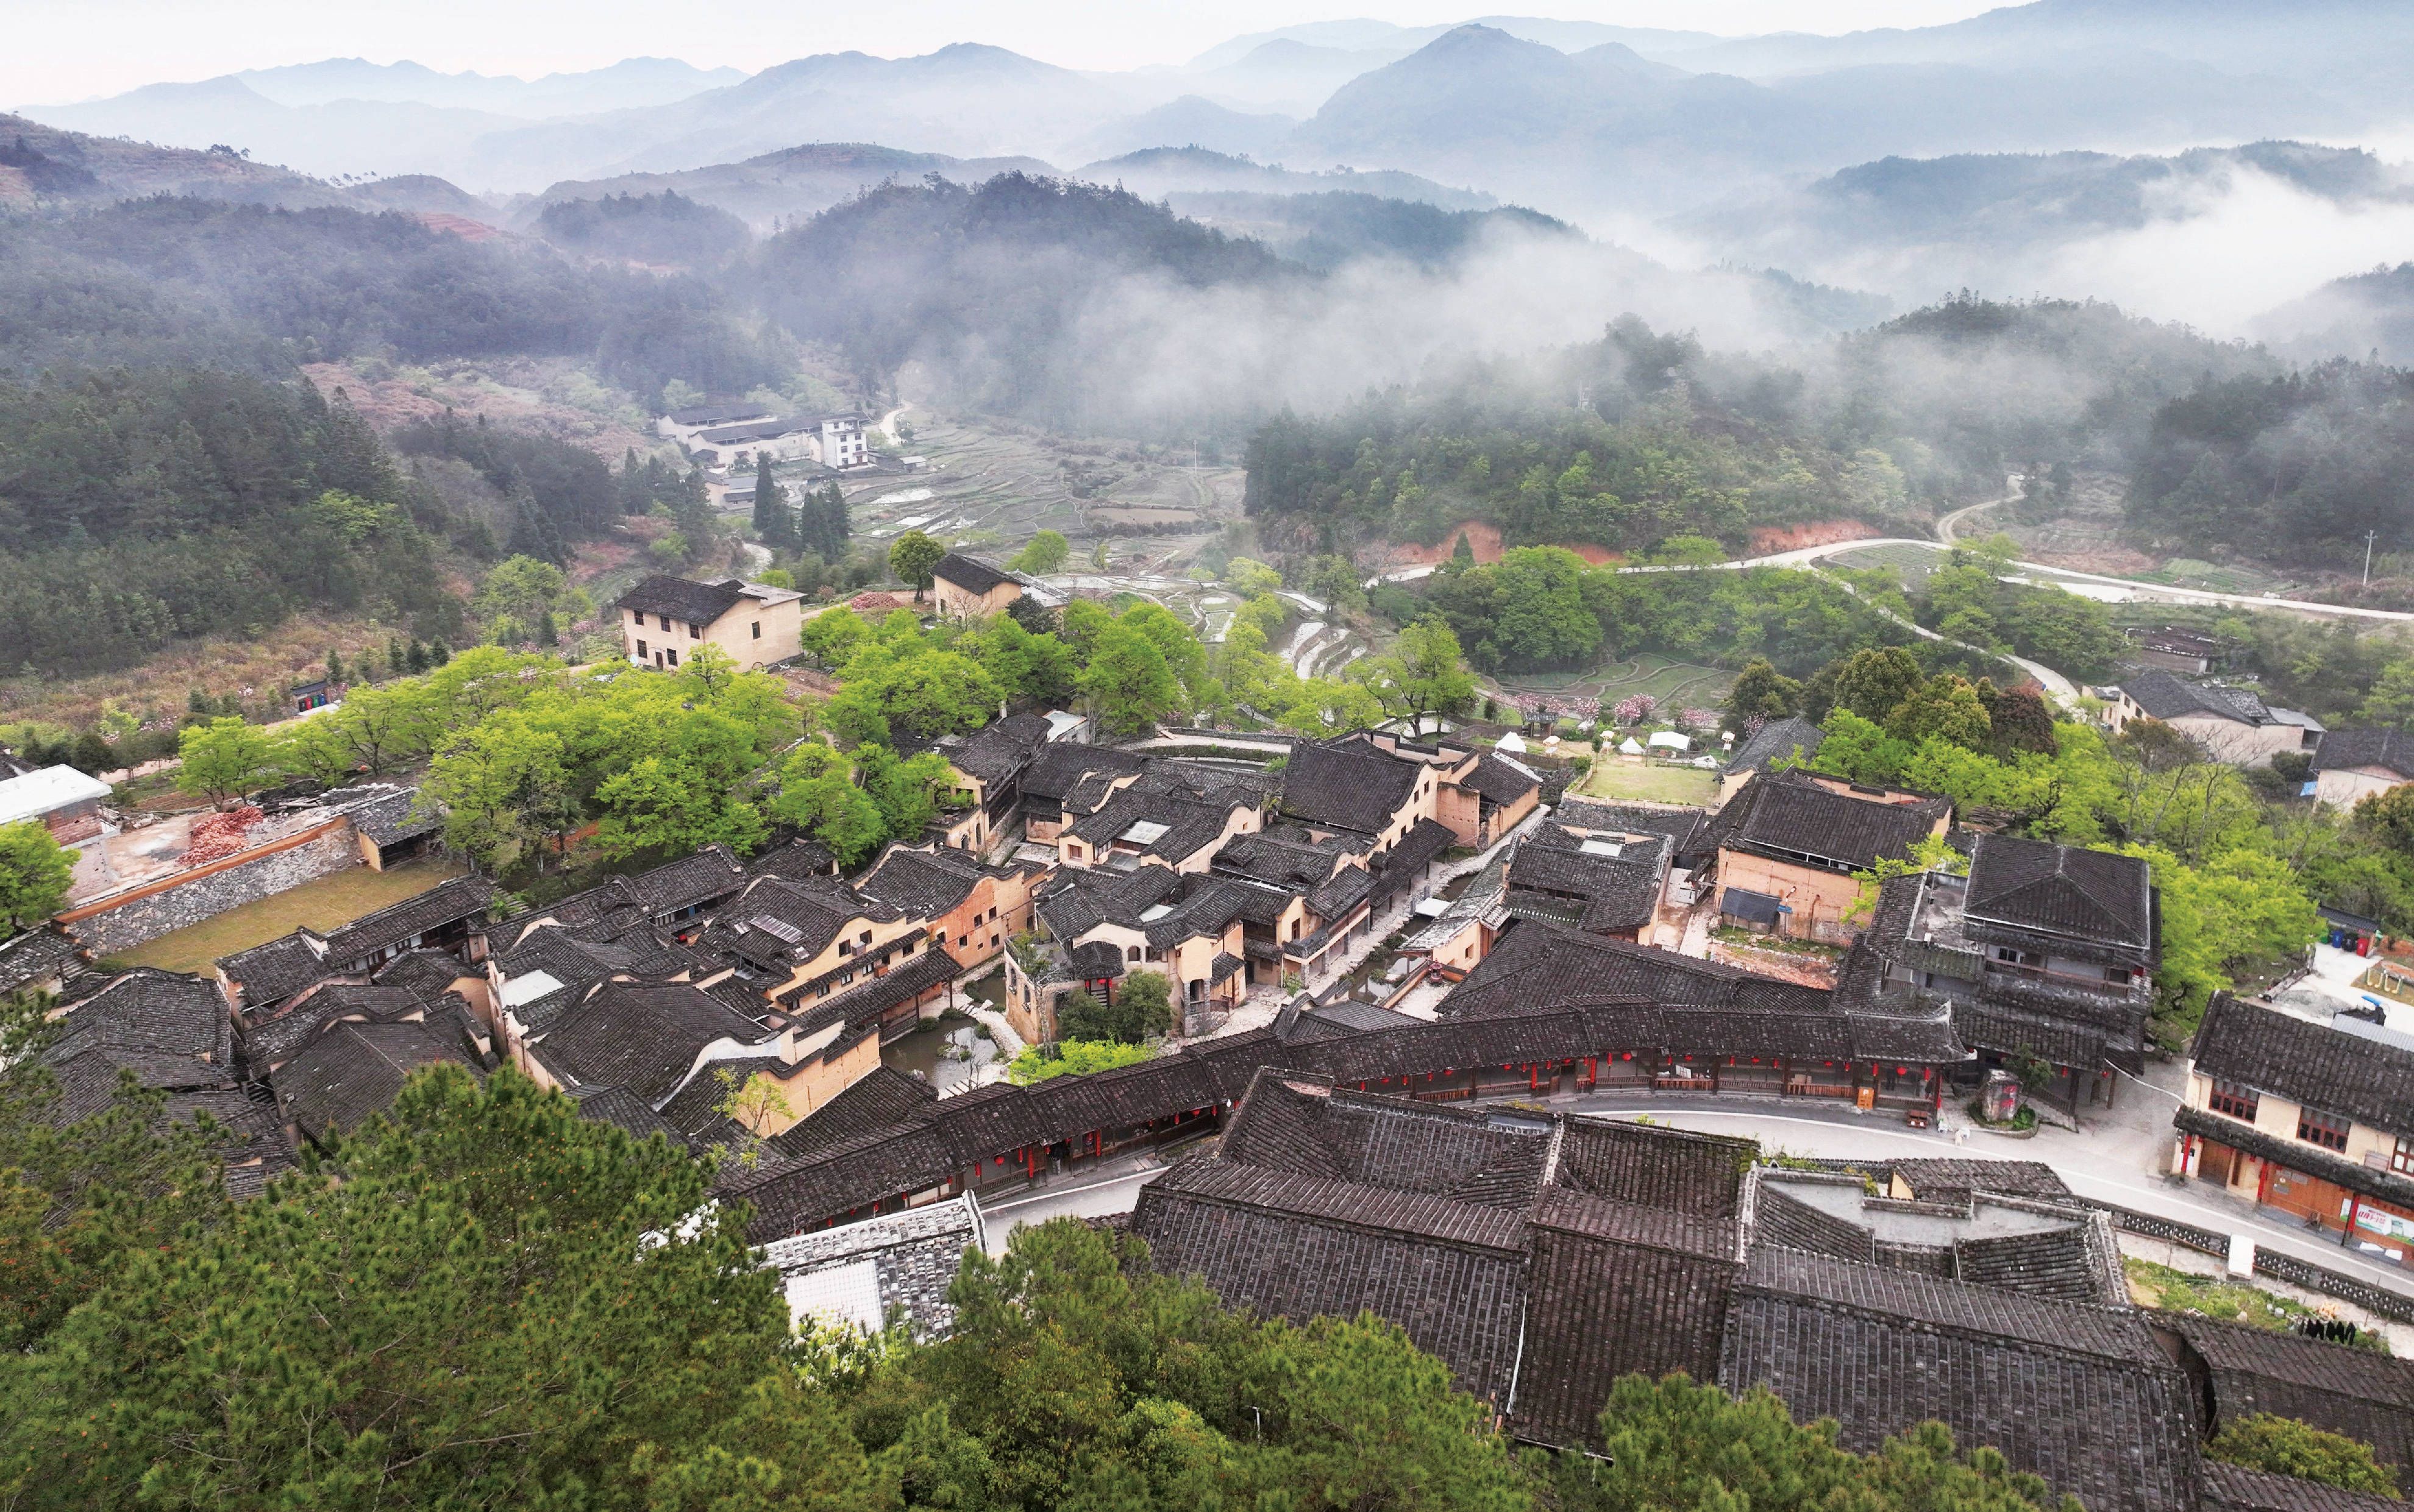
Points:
x=2165 y=696
x=269 y=1043
x=271 y=972
x=388 y=817
x=2236 y=1489
x=1298 y=865
x=690 y=882
x=886 y=1099
x=38 y=954
x=1536 y=966
x=1776 y=739
x=1348 y=784
x=2062 y=890
x=811 y=913
x=969 y=573
x=1190 y=824
x=449 y=901
x=354 y=1072
x=1619 y=892
x=1466 y=1157
x=997 y=751
x=1057 y=768
x=1946 y=1179
x=154 y=1011
x=1788 y=815
x=682 y=598
x=2077 y=1394
x=2325 y=1068
x=625 y=1111
x=797 y=859
x=1784 y=1220
x=871 y=997
x=2366 y=1396
x=425 y=973
x=926 y=883
x=1303 y=1245
x=2391 y=750
x=1642 y=1166
x=1614 y=1290
x=1500 y=781
x=1683 y=826
x=642 y=1038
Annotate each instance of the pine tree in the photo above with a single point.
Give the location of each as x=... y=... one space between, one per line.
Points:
x=334 y=669
x=417 y=656
x=395 y=655
x=770 y=504
x=634 y=497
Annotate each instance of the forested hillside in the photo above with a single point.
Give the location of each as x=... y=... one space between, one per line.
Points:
x=1644 y=436
x=195 y=282
x=2291 y=468
x=988 y=281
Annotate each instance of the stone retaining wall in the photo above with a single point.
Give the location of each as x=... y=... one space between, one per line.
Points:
x=147 y=916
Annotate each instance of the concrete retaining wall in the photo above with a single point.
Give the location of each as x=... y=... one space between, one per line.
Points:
x=189 y=899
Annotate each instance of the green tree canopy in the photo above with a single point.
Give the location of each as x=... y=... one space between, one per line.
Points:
x=224 y=759
x=2287 y=1447
x=911 y=557
x=1127 y=681
x=35 y=873
x=1045 y=552
x=498 y=1302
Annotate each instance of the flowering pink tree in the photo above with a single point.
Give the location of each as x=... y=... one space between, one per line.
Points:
x=1634 y=708
x=1698 y=718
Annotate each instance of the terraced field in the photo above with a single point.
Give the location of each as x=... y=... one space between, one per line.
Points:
x=1665 y=679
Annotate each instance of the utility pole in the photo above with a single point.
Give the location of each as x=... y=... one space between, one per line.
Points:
x=2367 y=556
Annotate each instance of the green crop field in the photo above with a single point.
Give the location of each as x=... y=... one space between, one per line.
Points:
x=1617 y=778
x=1671 y=683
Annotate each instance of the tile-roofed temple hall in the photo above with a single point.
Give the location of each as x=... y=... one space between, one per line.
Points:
x=1542 y=1256
x=2042 y=950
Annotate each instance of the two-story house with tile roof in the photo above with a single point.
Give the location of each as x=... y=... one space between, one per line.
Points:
x=2230 y=724
x=665 y=618
x=1789 y=842
x=973 y=909
x=2314 y=1119
x=2351 y=765
x=2042 y=950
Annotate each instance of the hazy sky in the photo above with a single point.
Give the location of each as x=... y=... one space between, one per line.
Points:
x=79 y=48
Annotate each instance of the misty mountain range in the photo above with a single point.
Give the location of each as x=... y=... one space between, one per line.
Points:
x=1583 y=120
x=2002 y=152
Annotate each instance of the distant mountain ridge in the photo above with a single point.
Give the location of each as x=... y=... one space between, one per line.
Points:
x=793 y=183
x=1157 y=171
x=631 y=81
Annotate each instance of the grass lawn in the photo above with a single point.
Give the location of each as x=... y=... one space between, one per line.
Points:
x=1614 y=779
x=323 y=905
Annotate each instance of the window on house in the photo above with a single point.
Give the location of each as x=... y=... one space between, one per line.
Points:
x=696 y=632
x=2402 y=1158
x=865 y=937
x=641 y=650
x=1134 y=952
x=2328 y=1130
x=847 y=947
x=2119 y=974
x=2236 y=1099
x=674 y=657
x=665 y=619
x=846 y=979
x=759 y=630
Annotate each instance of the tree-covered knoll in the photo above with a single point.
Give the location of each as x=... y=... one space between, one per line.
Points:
x=139 y=507
x=666 y=229
x=989 y=280
x=2292 y=469
x=1644 y=434
x=174 y=281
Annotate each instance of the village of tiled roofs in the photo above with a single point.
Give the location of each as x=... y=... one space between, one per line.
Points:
x=1520 y=1071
